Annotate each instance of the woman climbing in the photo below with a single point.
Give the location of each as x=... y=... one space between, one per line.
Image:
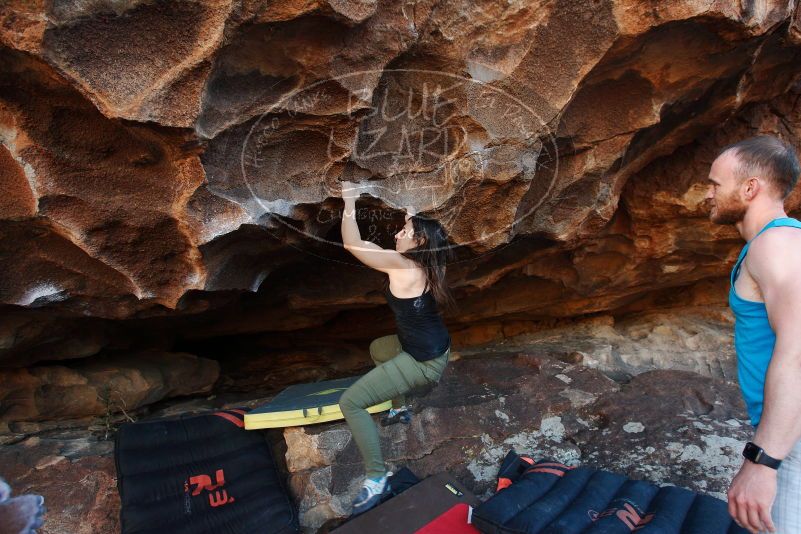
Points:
x=413 y=358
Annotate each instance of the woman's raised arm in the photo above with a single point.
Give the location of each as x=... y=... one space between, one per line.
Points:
x=368 y=253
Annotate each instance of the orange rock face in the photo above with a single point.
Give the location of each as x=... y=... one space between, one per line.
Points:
x=171 y=167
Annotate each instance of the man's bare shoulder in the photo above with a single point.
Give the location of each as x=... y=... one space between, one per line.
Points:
x=777 y=249
x=780 y=239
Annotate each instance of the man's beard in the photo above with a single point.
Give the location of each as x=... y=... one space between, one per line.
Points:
x=728 y=211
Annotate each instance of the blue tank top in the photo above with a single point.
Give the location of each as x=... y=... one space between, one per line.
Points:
x=753 y=336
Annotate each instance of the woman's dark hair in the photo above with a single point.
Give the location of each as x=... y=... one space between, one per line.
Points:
x=432 y=255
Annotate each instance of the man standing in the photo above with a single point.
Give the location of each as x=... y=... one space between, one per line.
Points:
x=748 y=183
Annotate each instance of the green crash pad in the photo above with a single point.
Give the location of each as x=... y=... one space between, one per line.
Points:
x=305 y=404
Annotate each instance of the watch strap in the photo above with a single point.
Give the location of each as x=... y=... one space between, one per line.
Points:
x=756 y=454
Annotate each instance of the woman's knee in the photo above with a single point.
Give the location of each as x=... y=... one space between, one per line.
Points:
x=349 y=401
x=346 y=401
x=384 y=348
x=374 y=348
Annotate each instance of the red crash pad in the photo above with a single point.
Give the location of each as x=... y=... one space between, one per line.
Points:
x=454 y=521
x=415 y=508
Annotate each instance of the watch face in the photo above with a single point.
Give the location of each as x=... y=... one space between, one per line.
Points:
x=754 y=453
x=750 y=451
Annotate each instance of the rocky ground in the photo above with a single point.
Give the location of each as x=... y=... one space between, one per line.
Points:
x=632 y=396
x=671 y=427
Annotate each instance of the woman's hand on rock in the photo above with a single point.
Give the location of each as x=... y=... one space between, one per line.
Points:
x=350 y=191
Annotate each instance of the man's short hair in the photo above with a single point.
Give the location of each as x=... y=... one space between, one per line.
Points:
x=767 y=157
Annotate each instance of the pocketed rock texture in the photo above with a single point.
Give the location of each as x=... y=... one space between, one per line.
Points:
x=666 y=426
x=168 y=166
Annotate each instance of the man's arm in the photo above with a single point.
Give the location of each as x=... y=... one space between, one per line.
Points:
x=776 y=267
x=368 y=253
x=774 y=261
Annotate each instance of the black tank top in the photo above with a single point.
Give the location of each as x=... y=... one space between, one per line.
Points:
x=421 y=331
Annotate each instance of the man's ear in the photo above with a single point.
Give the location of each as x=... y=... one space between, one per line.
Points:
x=752 y=188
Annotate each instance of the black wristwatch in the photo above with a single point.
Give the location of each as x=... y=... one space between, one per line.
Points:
x=755 y=453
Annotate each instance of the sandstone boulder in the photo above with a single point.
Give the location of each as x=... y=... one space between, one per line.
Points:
x=101 y=386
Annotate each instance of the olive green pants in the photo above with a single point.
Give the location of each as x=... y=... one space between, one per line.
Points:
x=396 y=374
